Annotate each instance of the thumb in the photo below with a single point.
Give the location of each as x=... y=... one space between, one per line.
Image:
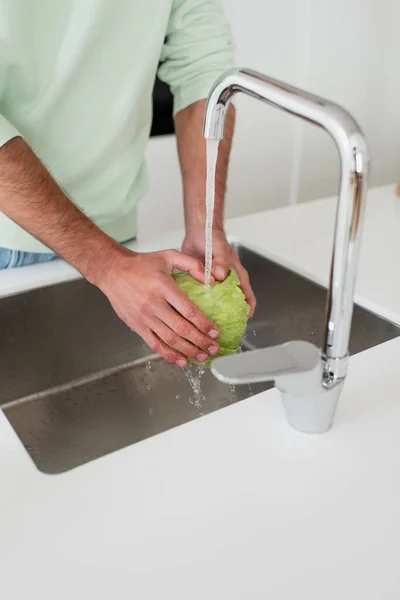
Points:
x=194 y=266
x=220 y=268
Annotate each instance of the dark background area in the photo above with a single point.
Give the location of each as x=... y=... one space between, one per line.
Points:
x=163 y=123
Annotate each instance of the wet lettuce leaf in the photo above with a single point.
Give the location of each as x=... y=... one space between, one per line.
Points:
x=225 y=305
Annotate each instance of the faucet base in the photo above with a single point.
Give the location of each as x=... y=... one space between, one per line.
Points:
x=314 y=411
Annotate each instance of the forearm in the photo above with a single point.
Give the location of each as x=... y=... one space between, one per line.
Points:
x=139 y=286
x=30 y=197
x=192 y=158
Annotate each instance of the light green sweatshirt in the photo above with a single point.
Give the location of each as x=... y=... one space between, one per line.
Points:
x=76 y=80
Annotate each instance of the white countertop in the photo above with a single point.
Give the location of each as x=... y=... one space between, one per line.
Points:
x=236 y=504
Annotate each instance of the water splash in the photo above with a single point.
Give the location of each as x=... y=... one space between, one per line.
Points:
x=194 y=374
x=211 y=155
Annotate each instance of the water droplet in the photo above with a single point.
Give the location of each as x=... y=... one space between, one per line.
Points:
x=232 y=389
x=178 y=397
x=150 y=411
x=149 y=387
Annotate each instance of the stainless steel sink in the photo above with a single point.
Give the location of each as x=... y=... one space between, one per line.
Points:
x=76 y=384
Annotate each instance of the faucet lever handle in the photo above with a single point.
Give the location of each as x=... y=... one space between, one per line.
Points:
x=296 y=368
x=282 y=364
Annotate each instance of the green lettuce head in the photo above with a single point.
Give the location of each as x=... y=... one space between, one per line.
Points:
x=225 y=305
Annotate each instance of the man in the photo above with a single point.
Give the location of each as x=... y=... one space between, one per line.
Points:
x=76 y=82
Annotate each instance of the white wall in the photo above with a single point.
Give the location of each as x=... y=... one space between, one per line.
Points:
x=346 y=51
x=353 y=61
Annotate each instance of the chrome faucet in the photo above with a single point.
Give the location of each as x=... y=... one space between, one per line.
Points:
x=310 y=380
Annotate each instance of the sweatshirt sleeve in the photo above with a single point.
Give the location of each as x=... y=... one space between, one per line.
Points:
x=197 y=49
x=7 y=131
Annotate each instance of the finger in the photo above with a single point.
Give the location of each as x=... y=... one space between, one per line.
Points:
x=194 y=266
x=188 y=310
x=184 y=329
x=220 y=268
x=158 y=346
x=175 y=341
x=246 y=288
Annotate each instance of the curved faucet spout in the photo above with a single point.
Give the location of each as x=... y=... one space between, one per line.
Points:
x=352 y=148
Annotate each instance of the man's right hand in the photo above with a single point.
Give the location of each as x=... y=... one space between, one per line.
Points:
x=139 y=286
x=144 y=295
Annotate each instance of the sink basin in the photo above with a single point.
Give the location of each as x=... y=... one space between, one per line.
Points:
x=76 y=383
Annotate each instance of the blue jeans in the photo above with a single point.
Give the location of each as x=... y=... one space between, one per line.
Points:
x=10 y=259
x=17 y=258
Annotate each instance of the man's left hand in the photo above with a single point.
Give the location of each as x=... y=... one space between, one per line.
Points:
x=224 y=258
